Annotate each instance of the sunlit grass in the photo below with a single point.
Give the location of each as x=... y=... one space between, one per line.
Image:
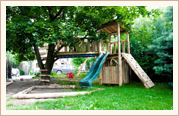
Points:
x=133 y=96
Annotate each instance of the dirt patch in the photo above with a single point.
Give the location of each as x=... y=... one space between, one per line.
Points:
x=18 y=86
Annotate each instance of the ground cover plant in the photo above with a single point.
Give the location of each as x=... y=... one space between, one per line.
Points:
x=133 y=96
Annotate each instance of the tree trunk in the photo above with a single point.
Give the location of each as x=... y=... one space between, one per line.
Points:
x=49 y=64
x=9 y=68
x=39 y=60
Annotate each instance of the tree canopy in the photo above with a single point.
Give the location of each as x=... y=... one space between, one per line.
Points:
x=29 y=27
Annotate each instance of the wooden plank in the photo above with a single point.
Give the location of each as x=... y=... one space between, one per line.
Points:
x=77 y=47
x=88 y=46
x=43 y=53
x=77 y=53
x=93 y=46
x=43 y=48
x=102 y=46
x=128 y=43
x=111 y=62
x=110 y=49
x=117 y=41
x=43 y=70
x=43 y=80
x=112 y=74
x=82 y=46
x=115 y=61
x=44 y=75
x=114 y=49
x=66 y=48
x=107 y=30
x=99 y=47
x=119 y=56
x=123 y=47
x=82 y=66
x=114 y=28
x=96 y=46
x=116 y=74
x=100 y=76
x=138 y=70
x=107 y=46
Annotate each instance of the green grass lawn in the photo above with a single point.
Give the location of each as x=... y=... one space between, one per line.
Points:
x=133 y=96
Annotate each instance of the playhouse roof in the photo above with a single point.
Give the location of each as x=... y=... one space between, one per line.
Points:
x=111 y=27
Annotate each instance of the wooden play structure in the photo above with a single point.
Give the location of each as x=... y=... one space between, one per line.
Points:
x=118 y=65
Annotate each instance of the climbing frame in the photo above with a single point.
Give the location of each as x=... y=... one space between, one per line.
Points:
x=138 y=70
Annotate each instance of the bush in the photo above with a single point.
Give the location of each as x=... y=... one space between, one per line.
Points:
x=31 y=73
x=170 y=84
x=53 y=74
x=21 y=72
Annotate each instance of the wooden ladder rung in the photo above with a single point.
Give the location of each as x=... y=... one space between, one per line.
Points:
x=44 y=75
x=43 y=80
x=43 y=70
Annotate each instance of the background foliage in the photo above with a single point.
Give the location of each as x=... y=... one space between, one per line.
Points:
x=152 y=45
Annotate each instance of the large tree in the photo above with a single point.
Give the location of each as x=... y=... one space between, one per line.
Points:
x=29 y=27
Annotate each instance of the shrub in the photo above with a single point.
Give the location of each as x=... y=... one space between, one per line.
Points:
x=21 y=72
x=53 y=74
x=31 y=73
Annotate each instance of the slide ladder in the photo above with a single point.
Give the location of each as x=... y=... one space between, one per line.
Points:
x=138 y=70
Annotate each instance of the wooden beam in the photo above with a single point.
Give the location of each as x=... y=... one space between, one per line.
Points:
x=107 y=46
x=43 y=70
x=44 y=75
x=117 y=33
x=76 y=53
x=128 y=43
x=123 y=47
x=119 y=56
x=110 y=49
x=115 y=61
x=82 y=66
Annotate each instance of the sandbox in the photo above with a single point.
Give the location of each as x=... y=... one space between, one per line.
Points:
x=51 y=91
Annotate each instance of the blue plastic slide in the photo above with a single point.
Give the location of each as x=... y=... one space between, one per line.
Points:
x=94 y=71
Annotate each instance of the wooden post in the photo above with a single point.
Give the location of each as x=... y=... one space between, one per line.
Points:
x=123 y=47
x=119 y=56
x=107 y=46
x=114 y=48
x=110 y=49
x=88 y=46
x=82 y=46
x=93 y=46
x=58 y=43
x=82 y=66
x=77 y=47
x=128 y=51
x=99 y=47
x=128 y=43
x=66 y=48
x=102 y=46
